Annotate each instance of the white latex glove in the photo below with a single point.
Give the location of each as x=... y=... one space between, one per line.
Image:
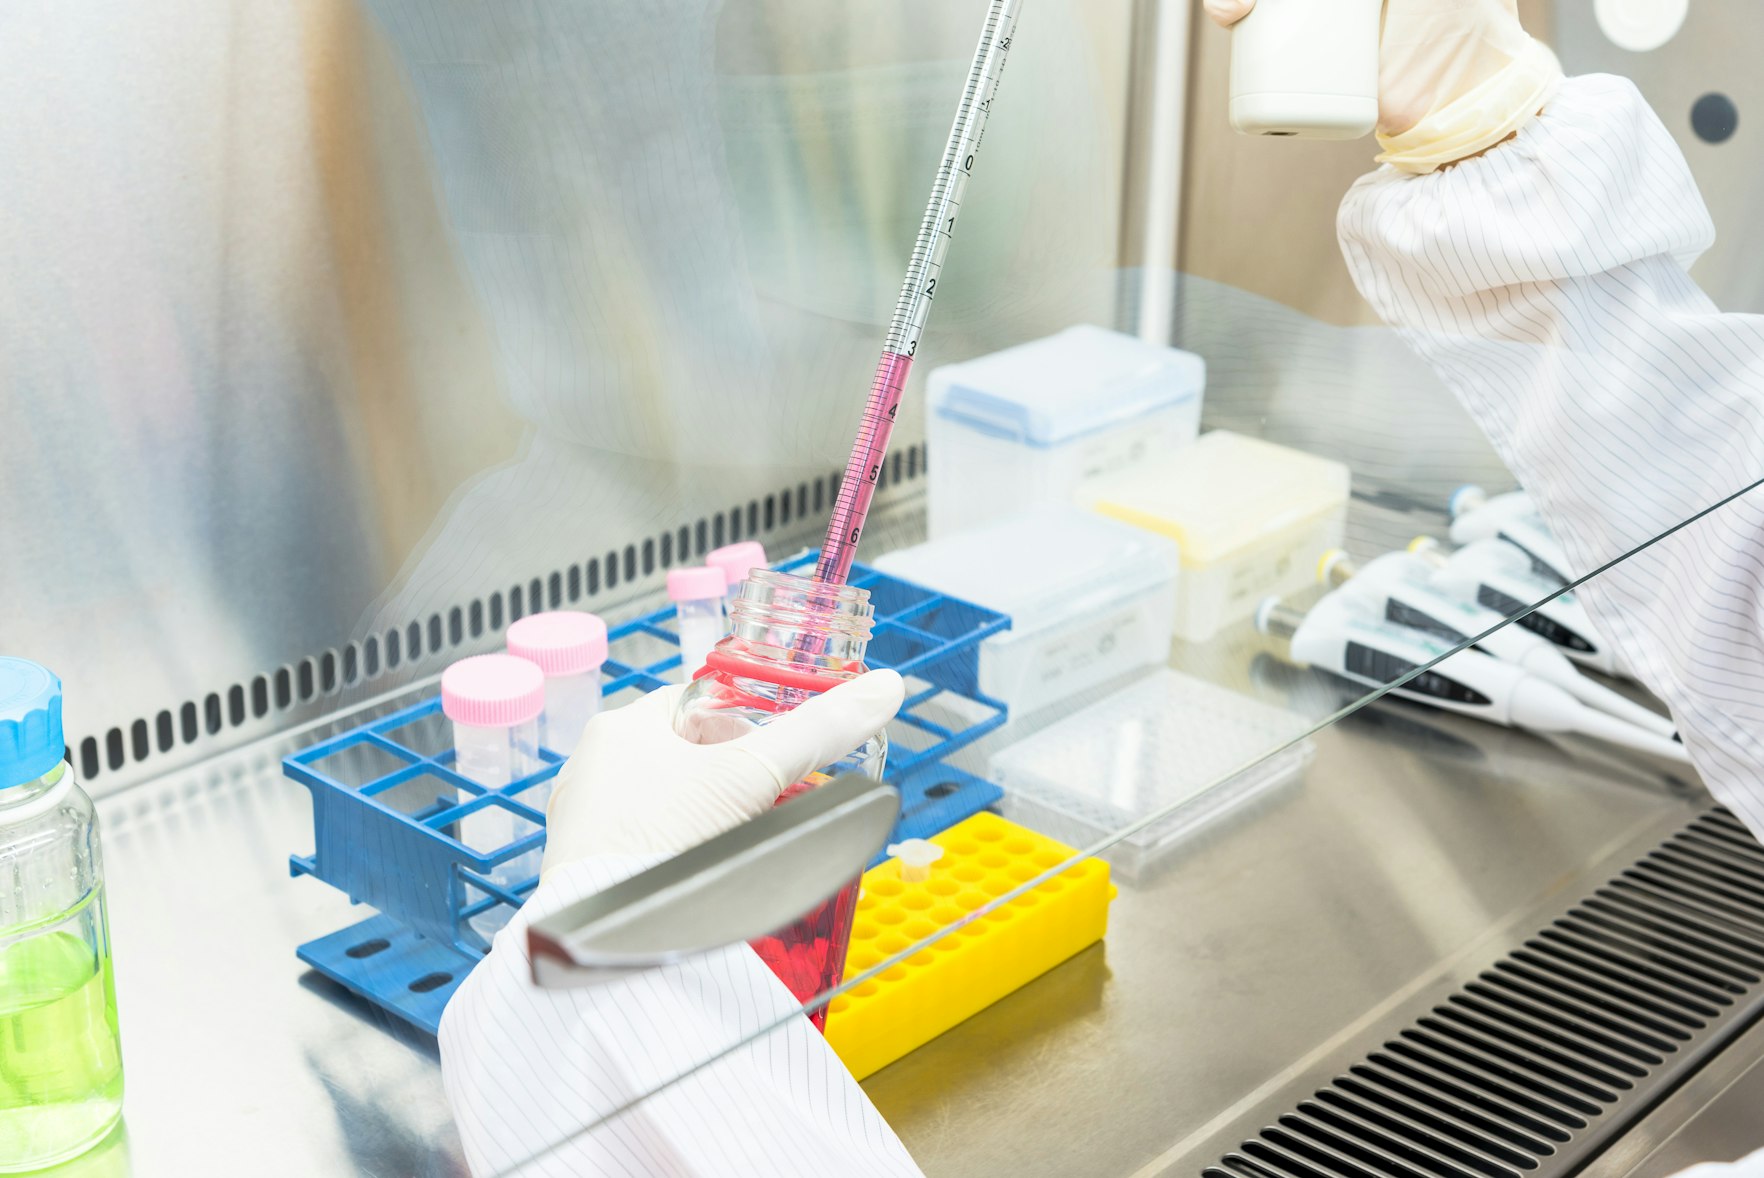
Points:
x=1455 y=77
x=634 y=787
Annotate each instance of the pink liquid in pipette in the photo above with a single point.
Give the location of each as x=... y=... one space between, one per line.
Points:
x=809 y=957
x=852 y=507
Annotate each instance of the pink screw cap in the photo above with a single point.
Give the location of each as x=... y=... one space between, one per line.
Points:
x=563 y=642
x=696 y=584
x=492 y=691
x=737 y=560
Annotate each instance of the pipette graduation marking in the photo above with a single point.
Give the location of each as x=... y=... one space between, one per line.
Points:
x=852 y=507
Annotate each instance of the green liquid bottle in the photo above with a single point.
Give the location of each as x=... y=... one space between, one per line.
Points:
x=61 y=1082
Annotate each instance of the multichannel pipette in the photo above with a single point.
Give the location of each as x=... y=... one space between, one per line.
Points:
x=1500 y=576
x=1347 y=637
x=913 y=308
x=1399 y=584
x=1510 y=517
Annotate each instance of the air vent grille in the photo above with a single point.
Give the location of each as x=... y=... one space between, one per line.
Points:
x=313 y=684
x=1535 y=1064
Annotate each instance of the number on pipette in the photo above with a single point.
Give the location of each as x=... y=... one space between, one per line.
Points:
x=863 y=470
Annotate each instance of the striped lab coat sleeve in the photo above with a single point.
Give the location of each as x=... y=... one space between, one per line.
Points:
x=1545 y=282
x=527 y=1070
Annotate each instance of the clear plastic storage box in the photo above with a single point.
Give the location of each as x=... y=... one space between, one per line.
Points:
x=1089 y=600
x=1251 y=519
x=1031 y=425
x=1165 y=742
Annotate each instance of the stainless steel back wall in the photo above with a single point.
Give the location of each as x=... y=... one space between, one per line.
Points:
x=1716 y=52
x=321 y=322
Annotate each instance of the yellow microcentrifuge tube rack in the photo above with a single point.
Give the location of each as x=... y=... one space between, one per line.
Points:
x=910 y=897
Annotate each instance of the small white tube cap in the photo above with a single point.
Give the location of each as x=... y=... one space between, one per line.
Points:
x=916 y=857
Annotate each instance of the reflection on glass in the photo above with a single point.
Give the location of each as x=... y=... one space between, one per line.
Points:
x=1170 y=731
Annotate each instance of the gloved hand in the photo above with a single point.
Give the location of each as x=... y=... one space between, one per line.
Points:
x=1455 y=77
x=633 y=787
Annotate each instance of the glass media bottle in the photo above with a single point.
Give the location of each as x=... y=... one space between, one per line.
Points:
x=791 y=638
x=61 y=1081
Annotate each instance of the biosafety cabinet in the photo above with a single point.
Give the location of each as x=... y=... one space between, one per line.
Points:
x=341 y=337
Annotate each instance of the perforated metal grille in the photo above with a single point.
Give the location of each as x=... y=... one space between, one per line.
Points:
x=1533 y=1066
x=424 y=645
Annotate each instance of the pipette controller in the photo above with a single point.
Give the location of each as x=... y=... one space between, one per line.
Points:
x=1345 y=637
x=1510 y=517
x=1306 y=68
x=1399 y=585
x=1497 y=575
x=911 y=311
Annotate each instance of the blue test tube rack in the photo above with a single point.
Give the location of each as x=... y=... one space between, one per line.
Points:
x=387 y=804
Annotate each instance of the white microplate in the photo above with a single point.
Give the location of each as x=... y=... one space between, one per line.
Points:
x=1168 y=740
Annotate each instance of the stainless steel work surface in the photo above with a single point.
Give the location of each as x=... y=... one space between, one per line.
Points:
x=1413 y=847
x=236 y=1058
x=1416 y=849
x=1718 y=1116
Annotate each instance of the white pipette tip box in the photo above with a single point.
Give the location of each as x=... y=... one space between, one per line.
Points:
x=1090 y=600
x=1031 y=425
x=1168 y=741
x=1249 y=517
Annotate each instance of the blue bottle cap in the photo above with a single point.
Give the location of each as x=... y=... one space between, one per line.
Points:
x=31 y=742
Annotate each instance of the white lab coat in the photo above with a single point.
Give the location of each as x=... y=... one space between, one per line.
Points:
x=528 y=1069
x=1546 y=283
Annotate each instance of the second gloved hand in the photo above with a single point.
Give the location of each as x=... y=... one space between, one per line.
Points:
x=635 y=787
x=1455 y=77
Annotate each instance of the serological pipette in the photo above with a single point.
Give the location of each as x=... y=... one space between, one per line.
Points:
x=852 y=506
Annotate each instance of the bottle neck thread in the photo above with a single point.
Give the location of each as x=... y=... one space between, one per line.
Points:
x=30 y=798
x=796 y=631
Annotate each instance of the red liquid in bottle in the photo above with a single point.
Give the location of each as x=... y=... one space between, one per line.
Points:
x=809 y=955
